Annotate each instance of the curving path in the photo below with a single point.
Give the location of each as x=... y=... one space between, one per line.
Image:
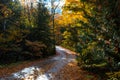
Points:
x=45 y=70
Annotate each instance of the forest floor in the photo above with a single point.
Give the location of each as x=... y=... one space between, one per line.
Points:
x=62 y=66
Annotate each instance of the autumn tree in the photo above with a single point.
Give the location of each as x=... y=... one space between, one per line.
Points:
x=26 y=33
x=10 y=34
x=103 y=28
x=96 y=27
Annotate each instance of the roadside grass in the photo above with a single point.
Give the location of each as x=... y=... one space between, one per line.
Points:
x=95 y=65
x=115 y=75
x=103 y=71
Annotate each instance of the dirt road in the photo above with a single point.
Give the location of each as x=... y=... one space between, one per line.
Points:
x=45 y=70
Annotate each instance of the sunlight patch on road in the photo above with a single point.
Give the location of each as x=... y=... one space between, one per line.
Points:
x=39 y=73
x=63 y=58
x=44 y=77
x=59 y=48
x=28 y=73
x=65 y=50
x=32 y=73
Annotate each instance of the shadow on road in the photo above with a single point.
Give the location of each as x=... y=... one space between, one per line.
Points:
x=45 y=69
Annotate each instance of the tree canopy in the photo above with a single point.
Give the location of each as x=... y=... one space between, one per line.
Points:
x=24 y=32
x=91 y=28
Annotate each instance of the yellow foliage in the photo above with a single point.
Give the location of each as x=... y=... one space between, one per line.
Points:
x=66 y=35
x=5 y=11
x=69 y=17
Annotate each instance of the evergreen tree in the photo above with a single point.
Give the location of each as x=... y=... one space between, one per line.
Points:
x=42 y=30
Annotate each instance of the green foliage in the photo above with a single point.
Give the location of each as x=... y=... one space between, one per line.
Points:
x=92 y=54
x=70 y=38
x=95 y=36
x=115 y=76
x=41 y=32
x=35 y=48
x=24 y=34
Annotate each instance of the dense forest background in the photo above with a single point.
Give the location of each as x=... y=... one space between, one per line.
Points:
x=25 y=32
x=91 y=28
